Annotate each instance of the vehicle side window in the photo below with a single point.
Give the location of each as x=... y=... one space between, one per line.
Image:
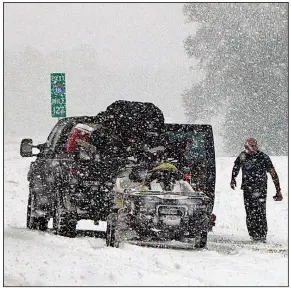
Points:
x=60 y=145
x=54 y=136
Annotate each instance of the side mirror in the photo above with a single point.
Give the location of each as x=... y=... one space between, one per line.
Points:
x=26 y=148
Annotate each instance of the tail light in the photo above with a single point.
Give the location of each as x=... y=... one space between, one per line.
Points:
x=187 y=177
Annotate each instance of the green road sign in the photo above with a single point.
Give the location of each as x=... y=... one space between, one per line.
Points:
x=58 y=94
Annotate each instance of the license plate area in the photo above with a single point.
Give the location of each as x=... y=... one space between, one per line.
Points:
x=171 y=217
x=171 y=212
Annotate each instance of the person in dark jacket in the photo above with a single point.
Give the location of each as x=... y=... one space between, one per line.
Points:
x=255 y=164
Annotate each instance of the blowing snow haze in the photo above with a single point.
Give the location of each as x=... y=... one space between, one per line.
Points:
x=243 y=50
x=108 y=51
x=229 y=71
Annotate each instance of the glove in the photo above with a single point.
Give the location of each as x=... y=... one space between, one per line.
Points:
x=278 y=196
x=232 y=183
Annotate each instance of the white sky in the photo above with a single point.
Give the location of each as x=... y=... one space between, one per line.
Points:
x=124 y=34
x=140 y=43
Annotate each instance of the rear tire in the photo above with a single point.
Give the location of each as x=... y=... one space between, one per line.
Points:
x=32 y=222
x=201 y=239
x=64 y=221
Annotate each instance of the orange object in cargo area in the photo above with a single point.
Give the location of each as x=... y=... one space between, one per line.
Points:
x=79 y=132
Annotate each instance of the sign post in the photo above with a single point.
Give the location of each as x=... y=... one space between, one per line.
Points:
x=58 y=95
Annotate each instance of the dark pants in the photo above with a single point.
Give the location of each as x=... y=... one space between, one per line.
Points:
x=255 y=205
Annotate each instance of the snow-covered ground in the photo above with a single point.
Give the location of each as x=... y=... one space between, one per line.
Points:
x=38 y=258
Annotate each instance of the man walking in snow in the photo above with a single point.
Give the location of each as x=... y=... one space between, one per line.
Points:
x=255 y=165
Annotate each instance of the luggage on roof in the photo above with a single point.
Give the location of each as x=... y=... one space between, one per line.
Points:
x=133 y=119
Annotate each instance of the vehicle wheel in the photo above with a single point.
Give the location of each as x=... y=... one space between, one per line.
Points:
x=110 y=231
x=201 y=240
x=32 y=222
x=64 y=221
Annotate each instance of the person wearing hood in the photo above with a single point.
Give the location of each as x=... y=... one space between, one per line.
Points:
x=255 y=164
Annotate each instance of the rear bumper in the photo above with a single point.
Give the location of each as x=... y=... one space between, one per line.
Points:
x=155 y=226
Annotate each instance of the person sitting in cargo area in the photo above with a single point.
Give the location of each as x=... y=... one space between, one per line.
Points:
x=164 y=177
x=161 y=178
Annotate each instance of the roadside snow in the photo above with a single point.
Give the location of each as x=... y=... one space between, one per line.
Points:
x=38 y=258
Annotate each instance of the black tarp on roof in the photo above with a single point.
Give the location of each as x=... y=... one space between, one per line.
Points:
x=131 y=119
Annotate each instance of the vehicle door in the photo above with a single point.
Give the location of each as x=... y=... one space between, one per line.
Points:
x=43 y=169
x=193 y=147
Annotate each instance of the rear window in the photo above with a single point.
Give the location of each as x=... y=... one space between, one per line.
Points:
x=192 y=142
